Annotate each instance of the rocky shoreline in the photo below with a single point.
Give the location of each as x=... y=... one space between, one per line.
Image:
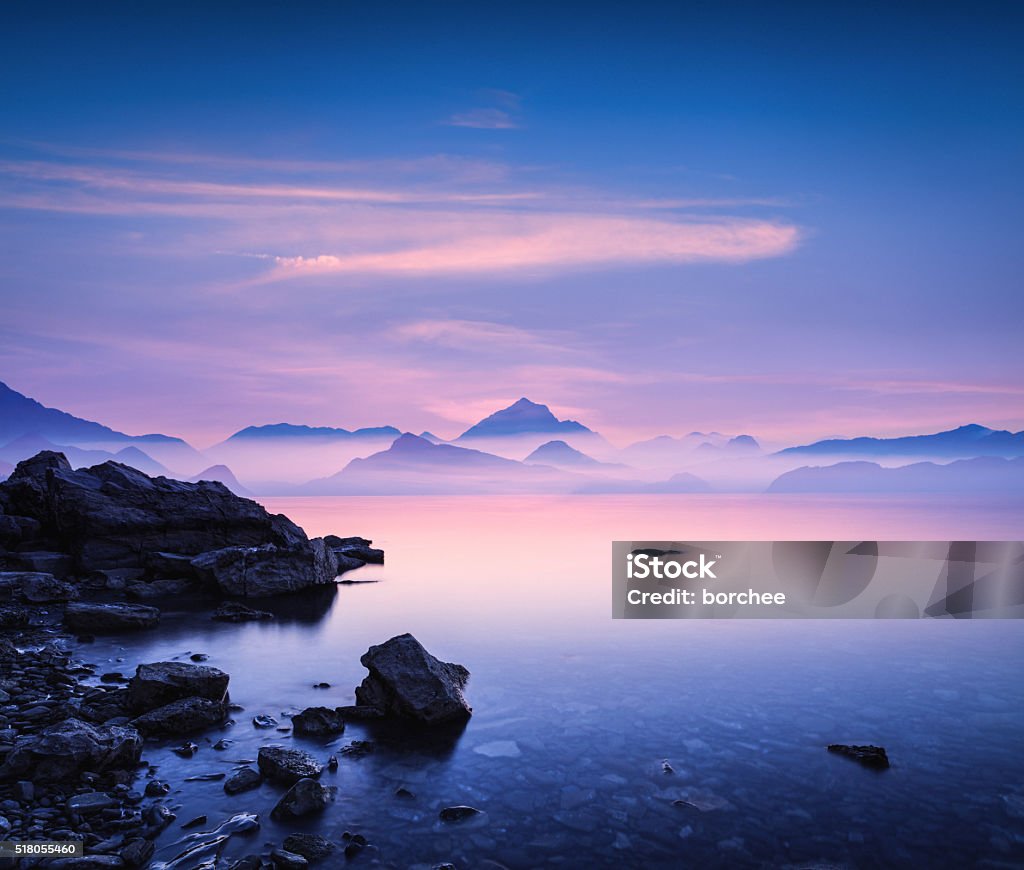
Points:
x=79 y=551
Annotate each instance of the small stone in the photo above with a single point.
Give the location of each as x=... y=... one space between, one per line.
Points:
x=90 y=802
x=457 y=813
x=199 y=657
x=243 y=780
x=222 y=744
x=869 y=756
x=157 y=788
x=403 y=792
x=282 y=859
x=194 y=823
x=304 y=797
x=312 y=847
x=186 y=750
x=264 y=721
x=287 y=765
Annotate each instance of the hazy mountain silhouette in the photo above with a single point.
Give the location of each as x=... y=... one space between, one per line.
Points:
x=562 y=455
x=274 y=431
x=962 y=443
x=224 y=475
x=80 y=457
x=982 y=474
x=522 y=418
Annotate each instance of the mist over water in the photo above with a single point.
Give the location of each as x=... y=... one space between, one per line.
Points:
x=575 y=713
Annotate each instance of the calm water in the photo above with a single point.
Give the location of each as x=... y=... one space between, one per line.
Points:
x=575 y=713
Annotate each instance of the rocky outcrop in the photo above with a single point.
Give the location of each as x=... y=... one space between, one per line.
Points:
x=287 y=766
x=874 y=757
x=319 y=721
x=160 y=683
x=113 y=516
x=257 y=572
x=83 y=617
x=68 y=748
x=234 y=611
x=408 y=682
x=37 y=587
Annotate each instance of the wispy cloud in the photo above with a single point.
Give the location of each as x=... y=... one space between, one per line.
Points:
x=484 y=119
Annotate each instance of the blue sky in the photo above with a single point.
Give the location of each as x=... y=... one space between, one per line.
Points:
x=792 y=220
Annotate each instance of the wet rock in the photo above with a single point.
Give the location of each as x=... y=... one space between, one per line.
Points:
x=157 y=589
x=869 y=756
x=282 y=859
x=457 y=813
x=113 y=516
x=79 y=616
x=318 y=721
x=357 y=749
x=157 y=788
x=199 y=657
x=262 y=720
x=407 y=681
x=137 y=852
x=64 y=750
x=186 y=750
x=321 y=685
x=38 y=587
x=14 y=616
x=355 y=548
x=284 y=765
x=90 y=802
x=181 y=717
x=404 y=793
x=258 y=572
x=206 y=777
x=332 y=762
x=306 y=796
x=312 y=847
x=160 y=683
x=243 y=780
x=353 y=712
x=233 y=611
x=347 y=562
x=194 y=823
x=222 y=744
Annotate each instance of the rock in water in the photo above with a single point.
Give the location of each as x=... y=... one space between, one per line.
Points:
x=82 y=617
x=66 y=749
x=457 y=813
x=159 y=683
x=40 y=588
x=182 y=717
x=312 y=847
x=243 y=780
x=257 y=572
x=304 y=797
x=233 y=611
x=113 y=516
x=869 y=756
x=287 y=765
x=318 y=721
x=407 y=681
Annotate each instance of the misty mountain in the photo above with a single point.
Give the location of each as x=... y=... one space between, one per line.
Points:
x=562 y=455
x=683 y=482
x=274 y=431
x=414 y=465
x=29 y=445
x=962 y=443
x=739 y=444
x=522 y=418
x=222 y=474
x=983 y=474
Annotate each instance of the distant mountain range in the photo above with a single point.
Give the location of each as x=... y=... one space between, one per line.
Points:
x=560 y=456
x=964 y=442
x=983 y=474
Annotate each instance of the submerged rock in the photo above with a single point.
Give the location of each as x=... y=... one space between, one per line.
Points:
x=64 y=750
x=233 y=611
x=312 y=847
x=259 y=572
x=159 y=683
x=282 y=859
x=243 y=780
x=408 y=682
x=457 y=813
x=284 y=765
x=304 y=797
x=869 y=756
x=79 y=616
x=319 y=721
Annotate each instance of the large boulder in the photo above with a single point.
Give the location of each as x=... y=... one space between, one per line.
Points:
x=65 y=750
x=37 y=587
x=258 y=572
x=84 y=617
x=182 y=717
x=318 y=721
x=161 y=683
x=112 y=516
x=408 y=682
x=287 y=766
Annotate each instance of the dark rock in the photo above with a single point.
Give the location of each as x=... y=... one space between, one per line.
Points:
x=90 y=802
x=157 y=788
x=157 y=589
x=57 y=564
x=262 y=720
x=332 y=762
x=407 y=681
x=336 y=543
x=206 y=777
x=287 y=765
x=312 y=847
x=347 y=562
x=304 y=797
x=168 y=566
x=403 y=792
x=869 y=756
x=64 y=750
x=457 y=813
x=110 y=617
x=243 y=780
x=38 y=587
x=318 y=721
x=181 y=717
x=186 y=750
x=222 y=744
x=194 y=823
x=159 y=683
x=258 y=572
x=112 y=516
x=137 y=852
x=199 y=657
x=321 y=685
x=14 y=616
x=233 y=611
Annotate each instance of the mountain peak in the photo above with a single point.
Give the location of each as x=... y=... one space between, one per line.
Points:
x=520 y=418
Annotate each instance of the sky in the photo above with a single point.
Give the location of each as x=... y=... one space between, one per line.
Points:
x=796 y=220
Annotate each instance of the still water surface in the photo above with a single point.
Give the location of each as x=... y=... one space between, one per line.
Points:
x=576 y=714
